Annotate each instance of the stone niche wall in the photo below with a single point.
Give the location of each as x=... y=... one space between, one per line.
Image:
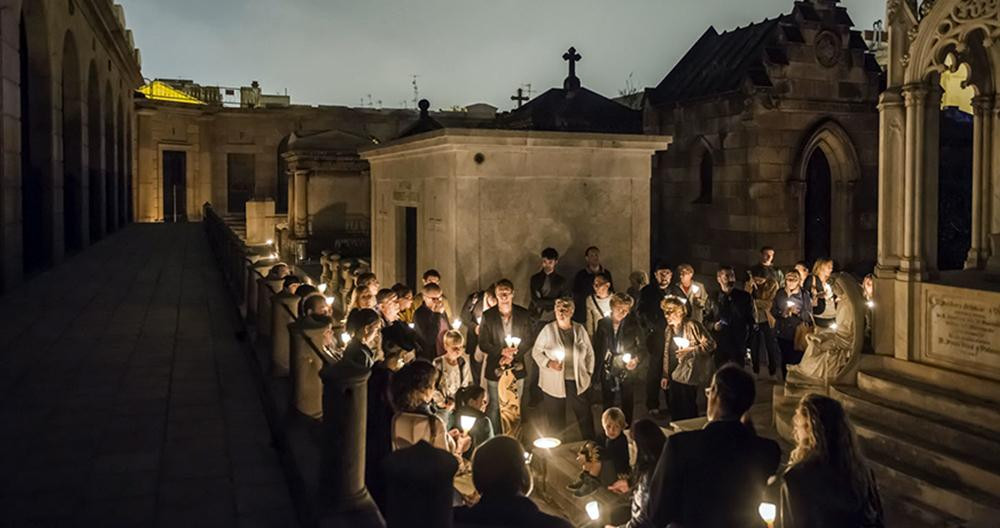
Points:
x=481 y=221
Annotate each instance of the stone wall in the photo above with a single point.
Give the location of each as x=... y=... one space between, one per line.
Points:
x=82 y=67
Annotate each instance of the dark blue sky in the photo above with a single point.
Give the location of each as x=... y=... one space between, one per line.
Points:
x=464 y=51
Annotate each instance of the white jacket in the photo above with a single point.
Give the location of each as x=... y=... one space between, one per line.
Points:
x=552 y=381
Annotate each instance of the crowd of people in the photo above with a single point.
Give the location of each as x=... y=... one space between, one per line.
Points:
x=484 y=381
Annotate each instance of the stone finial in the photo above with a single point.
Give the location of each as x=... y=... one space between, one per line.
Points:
x=424 y=106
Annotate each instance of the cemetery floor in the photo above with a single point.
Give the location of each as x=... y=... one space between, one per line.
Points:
x=126 y=398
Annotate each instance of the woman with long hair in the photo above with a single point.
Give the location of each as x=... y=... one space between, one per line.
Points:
x=412 y=391
x=828 y=482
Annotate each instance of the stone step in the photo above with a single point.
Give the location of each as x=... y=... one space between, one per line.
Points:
x=783 y=411
x=796 y=386
x=935 y=458
x=903 y=389
x=563 y=469
x=908 y=479
x=951 y=381
x=960 y=437
x=902 y=511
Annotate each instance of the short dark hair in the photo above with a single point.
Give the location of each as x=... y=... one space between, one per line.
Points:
x=358 y=319
x=289 y=280
x=661 y=265
x=310 y=303
x=384 y=294
x=735 y=389
x=305 y=290
x=498 y=468
x=401 y=290
x=587 y=251
x=502 y=283
x=726 y=267
x=416 y=376
x=766 y=248
x=803 y=263
x=550 y=253
x=431 y=273
x=431 y=287
x=366 y=278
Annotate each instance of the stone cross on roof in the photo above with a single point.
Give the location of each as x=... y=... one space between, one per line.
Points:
x=520 y=97
x=572 y=82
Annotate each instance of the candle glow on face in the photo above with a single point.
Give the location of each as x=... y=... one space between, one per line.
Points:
x=681 y=342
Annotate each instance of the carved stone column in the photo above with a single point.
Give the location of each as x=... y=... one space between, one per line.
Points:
x=981 y=158
x=912 y=261
x=346 y=501
x=284 y=307
x=991 y=207
x=306 y=336
x=300 y=225
x=266 y=289
x=892 y=142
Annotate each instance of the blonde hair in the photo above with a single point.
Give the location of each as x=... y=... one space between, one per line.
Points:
x=453 y=337
x=824 y=435
x=622 y=299
x=672 y=306
x=685 y=268
x=820 y=262
x=614 y=415
x=565 y=301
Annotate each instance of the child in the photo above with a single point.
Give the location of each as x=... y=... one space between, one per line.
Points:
x=471 y=401
x=594 y=471
x=454 y=371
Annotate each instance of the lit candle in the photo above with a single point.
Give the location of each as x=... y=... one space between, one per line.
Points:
x=768 y=512
x=467 y=422
x=560 y=355
x=626 y=357
x=345 y=337
x=456 y=324
x=870 y=303
x=790 y=304
x=527 y=458
x=516 y=341
x=828 y=290
x=681 y=342
x=694 y=288
x=593 y=510
x=329 y=301
x=274 y=256
x=547 y=442
x=411 y=325
x=321 y=288
x=270 y=242
x=509 y=341
x=479 y=320
x=833 y=326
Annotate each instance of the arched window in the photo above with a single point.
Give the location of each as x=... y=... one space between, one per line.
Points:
x=705 y=176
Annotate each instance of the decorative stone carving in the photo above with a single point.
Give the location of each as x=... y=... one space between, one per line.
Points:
x=951 y=34
x=827 y=49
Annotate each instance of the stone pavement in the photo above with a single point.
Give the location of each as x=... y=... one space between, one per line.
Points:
x=125 y=397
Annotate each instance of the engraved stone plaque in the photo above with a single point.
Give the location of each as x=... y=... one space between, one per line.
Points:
x=963 y=328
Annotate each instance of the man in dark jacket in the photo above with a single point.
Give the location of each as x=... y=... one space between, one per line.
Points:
x=583 y=283
x=619 y=348
x=715 y=477
x=505 y=320
x=546 y=287
x=472 y=316
x=652 y=319
x=399 y=341
x=431 y=322
x=730 y=318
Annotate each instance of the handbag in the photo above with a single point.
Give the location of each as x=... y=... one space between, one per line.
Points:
x=694 y=369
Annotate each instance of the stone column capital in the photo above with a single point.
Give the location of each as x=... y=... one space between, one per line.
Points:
x=983 y=104
x=915 y=94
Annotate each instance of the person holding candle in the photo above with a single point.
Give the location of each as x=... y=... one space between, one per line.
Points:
x=454 y=371
x=649 y=442
x=313 y=305
x=764 y=339
x=583 y=283
x=472 y=316
x=730 y=318
x=766 y=268
x=506 y=336
x=412 y=391
x=820 y=290
x=619 y=345
x=828 y=483
x=432 y=276
x=404 y=296
x=692 y=346
x=692 y=291
x=472 y=401
x=290 y=283
x=598 y=304
x=792 y=311
x=431 y=322
x=362 y=331
x=565 y=359
x=399 y=341
x=715 y=476
x=546 y=286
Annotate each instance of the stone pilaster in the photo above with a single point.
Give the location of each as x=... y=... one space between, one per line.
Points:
x=981 y=162
x=301 y=217
x=284 y=307
x=306 y=335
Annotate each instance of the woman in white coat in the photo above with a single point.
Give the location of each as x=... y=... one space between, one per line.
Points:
x=565 y=361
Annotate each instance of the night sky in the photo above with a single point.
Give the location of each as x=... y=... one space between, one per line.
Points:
x=464 y=51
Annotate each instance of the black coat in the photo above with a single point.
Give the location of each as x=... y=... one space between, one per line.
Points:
x=378 y=439
x=649 y=304
x=713 y=477
x=506 y=512
x=544 y=302
x=583 y=285
x=631 y=338
x=472 y=312
x=492 y=336
x=812 y=496
x=428 y=326
x=735 y=311
x=398 y=336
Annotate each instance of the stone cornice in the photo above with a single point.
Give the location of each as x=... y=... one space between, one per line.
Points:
x=113 y=37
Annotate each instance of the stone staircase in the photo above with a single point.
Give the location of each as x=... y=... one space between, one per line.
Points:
x=932 y=436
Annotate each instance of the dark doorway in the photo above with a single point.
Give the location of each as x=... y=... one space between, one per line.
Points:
x=110 y=167
x=281 y=190
x=95 y=185
x=174 y=186
x=36 y=135
x=239 y=172
x=954 y=189
x=705 y=169
x=818 y=207
x=72 y=136
x=406 y=244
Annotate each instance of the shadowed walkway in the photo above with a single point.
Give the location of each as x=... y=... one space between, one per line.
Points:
x=125 y=398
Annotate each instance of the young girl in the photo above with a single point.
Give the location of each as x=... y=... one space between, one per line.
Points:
x=606 y=463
